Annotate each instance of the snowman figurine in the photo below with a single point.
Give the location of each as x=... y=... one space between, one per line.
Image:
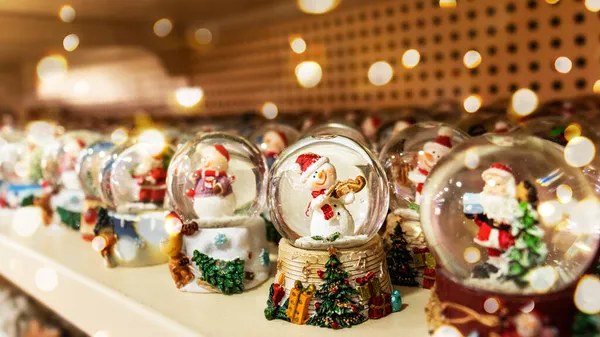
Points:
x=212 y=193
x=432 y=152
x=329 y=214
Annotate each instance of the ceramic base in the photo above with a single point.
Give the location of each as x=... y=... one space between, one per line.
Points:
x=455 y=307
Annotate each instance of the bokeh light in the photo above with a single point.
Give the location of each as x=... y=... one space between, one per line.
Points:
x=26 y=220
x=269 y=110
x=472 y=255
x=579 y=152
x=163 y=27
x=71 y=42
x=552 y=2
x=447 y=3
x=564 y=193
x=153 y=141
x=472 y=59
x=52 y=68
x=380 y=73
x=447 y=331
x=67 y=14
x=308 y=74
x=472 y=103
x=491 y=305
x=587 y=295
x=411 y=58
x=99 y=243
x=298 y=45
x=572 y=131
x=592 y=5
x=542 y=279
x=563 y=64
x=203 y=36
x=119 y=136
x=524 y=102
x=596 y=87
x=81 y=88
x=46 y=279
x=317 y=6
x=188 y=97
x=101 y=334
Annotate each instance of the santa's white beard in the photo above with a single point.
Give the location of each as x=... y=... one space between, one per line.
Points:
x=499 y=208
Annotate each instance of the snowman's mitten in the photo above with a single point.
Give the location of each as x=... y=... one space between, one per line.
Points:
x=348 y=198
x=318 y=201
x=217 y=189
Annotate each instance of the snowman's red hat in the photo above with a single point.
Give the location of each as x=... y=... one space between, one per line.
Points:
x=308 y=163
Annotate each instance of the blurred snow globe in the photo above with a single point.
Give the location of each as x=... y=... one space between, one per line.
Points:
x=409 y=156
x=216 y=179
x=327 y=190
x=103 y=177
x=483 y=122
x=89 y=165
x=339 y=129
x=272 y=139
x=508 y=214
x=138 y=177
x=392 y=128
x=59 y=161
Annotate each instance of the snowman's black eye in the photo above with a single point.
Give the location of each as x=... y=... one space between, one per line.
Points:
x=433 y=152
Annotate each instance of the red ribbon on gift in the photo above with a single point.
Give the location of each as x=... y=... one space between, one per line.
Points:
x=364 y=280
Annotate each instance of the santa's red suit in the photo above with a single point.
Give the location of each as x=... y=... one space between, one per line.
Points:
x=152 y=185
x=496 y=238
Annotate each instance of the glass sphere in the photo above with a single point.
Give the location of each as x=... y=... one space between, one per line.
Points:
x=327 y=190
x=480 y=123
x=105 y=170
x=60 y=159
x=272 y=139
x=217 y=176
x=339 y=129
x=508 y=214
x=410 y=155
x=89 y=167
x=20 y=163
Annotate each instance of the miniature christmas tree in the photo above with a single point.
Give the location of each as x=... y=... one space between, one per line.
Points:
x=398 y=260
x=529 y=250
x=336 y=310
x=226 y=276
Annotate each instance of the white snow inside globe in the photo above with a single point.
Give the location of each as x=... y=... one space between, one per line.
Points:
x=217 y=178
x=327 y=190
x=508 y=214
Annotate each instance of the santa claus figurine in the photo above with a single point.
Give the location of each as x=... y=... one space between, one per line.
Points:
x=212 y=193
x=432 y=152
x=329 y=215
x=528 y=324
x=273 y=143
x=499 y=205
x=150 y=175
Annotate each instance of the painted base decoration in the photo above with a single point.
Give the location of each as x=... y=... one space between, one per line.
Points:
x=228 y=257
x=336 y=289
x=69 y=218
x=89 y=218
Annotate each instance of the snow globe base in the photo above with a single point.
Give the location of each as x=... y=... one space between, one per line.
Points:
x=89 y=217
x=454 y=307
x=301 y=295
x=131 y=240
x=227 y=256
x=409 y=259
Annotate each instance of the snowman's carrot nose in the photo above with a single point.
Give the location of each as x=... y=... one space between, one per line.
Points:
x=321 y=174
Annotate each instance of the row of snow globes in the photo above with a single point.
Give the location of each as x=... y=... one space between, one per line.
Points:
x=501 y=226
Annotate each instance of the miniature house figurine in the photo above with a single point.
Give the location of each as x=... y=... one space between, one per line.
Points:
x=217 y=240
x=327 y=198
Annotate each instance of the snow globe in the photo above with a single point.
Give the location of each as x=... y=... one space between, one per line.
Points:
x=272 y=139
x=339 y=129
x=407 y=159
x=88 y=169
x=482 y=122
x=328 y=197
x=132 y=182
x=59 y=171
x=513 y=227
x=217 y=240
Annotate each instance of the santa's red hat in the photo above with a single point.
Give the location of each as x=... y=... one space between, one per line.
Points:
x=501 y=127
x=222 y=150
x=499 y=169
x=281 y=135
x=308 y=163
x=442 y=143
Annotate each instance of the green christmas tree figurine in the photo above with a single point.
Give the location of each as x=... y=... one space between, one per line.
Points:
x=398 y=260
x=336 y=310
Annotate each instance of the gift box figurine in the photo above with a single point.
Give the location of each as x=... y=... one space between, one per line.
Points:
x=217 y=241
x=327 y=198
x=59 y=168
x=133 y=190
x=501 y=271
x=408 y=157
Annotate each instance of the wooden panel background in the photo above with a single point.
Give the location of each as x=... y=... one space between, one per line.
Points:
x=518 y=40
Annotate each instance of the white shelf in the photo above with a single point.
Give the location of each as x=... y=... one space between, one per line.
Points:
x=144 y=301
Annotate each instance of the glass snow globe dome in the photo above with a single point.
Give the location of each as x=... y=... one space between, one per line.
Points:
x=273 y=138
x=339 y=129
x=508 y=214
x=410 y=155
x=482 y=122
x=59 y=161
x=327 y=190
x=104 y=169
x=20 y=163
x=89 y=166
x=216 y=178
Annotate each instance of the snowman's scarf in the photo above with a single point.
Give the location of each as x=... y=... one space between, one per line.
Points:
x=326 y=209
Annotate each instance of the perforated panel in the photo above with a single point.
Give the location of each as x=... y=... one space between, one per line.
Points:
x=518 y=40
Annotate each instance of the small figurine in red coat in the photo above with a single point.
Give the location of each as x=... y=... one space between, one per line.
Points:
x=150 y=175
